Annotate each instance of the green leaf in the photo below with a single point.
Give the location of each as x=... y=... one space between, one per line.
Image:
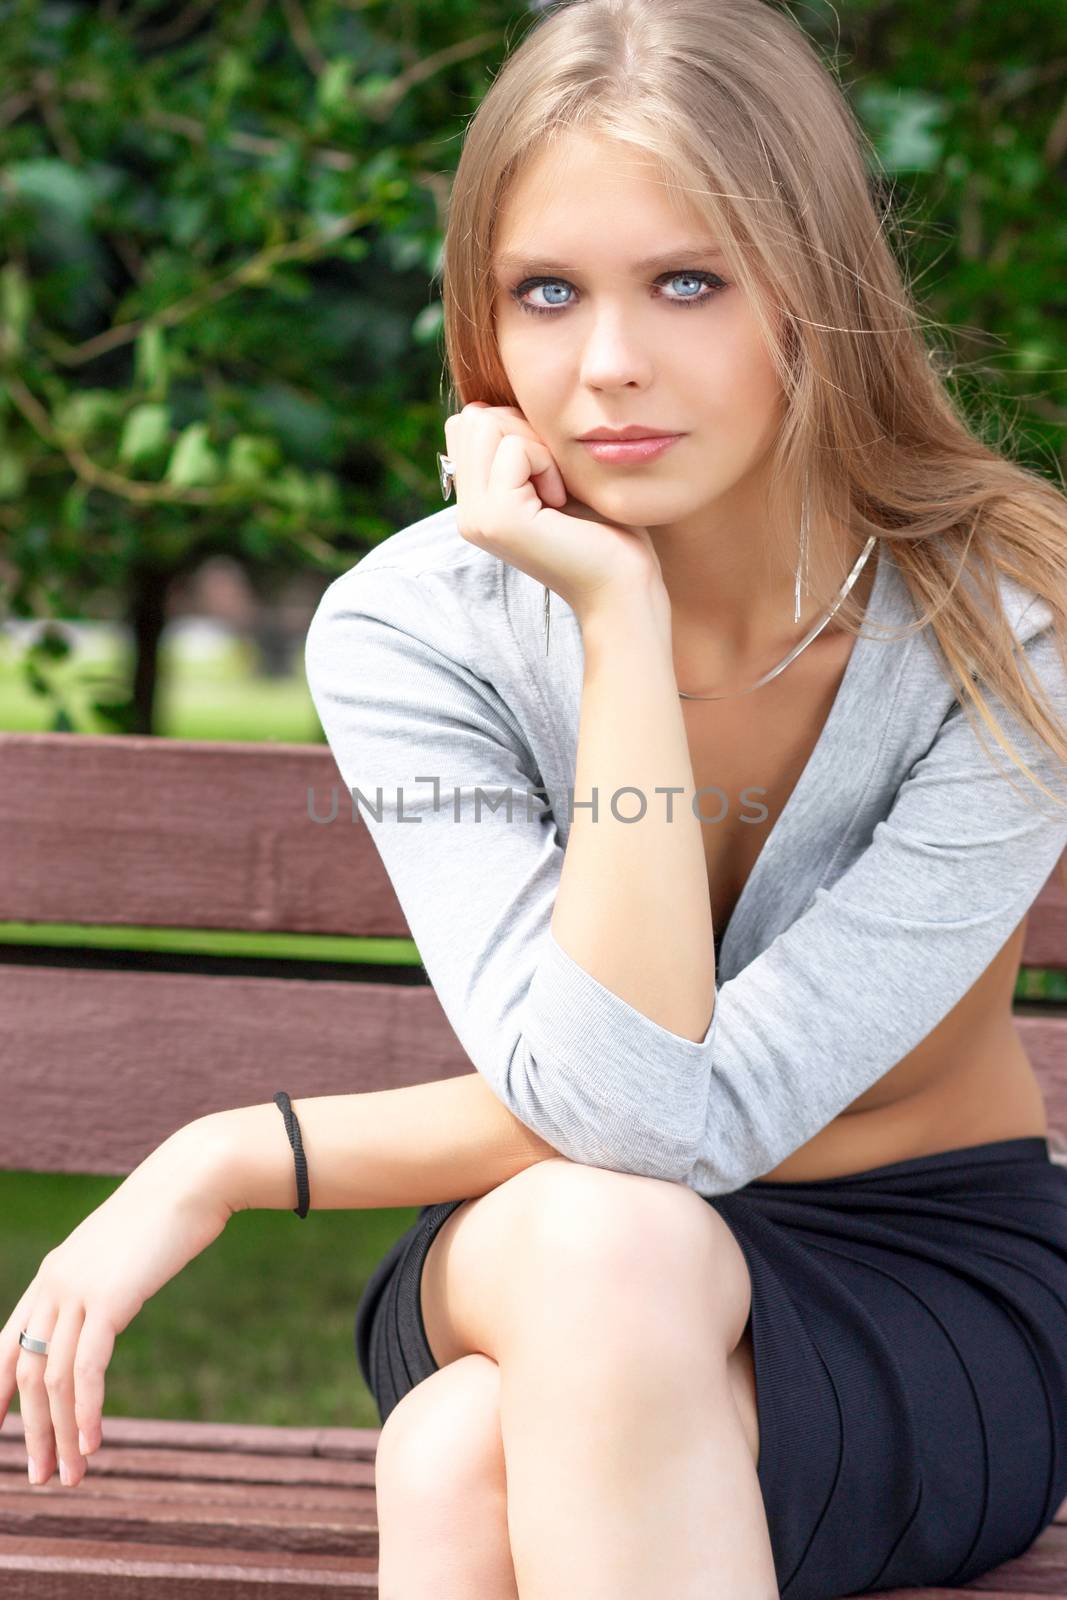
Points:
x=905 y=125
x=233 y=72
x=145 y=433
x=151 y=368
x=334 y=86
x=428 y=323
x=53 y=183
x=193 y=461
x=15 y=306
x=12 y=475
x=73 y=507
x=251 y=457
x=86 y=412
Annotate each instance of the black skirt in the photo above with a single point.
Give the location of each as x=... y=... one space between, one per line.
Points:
x=909 y=1340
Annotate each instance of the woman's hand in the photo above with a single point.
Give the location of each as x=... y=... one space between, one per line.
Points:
x=512 y=501
x=91 y=1286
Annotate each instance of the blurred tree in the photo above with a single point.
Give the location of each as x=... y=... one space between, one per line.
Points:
x=218 y=328
x=221 y=224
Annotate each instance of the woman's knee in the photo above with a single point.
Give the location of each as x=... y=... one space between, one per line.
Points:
x=623 y=1232
x=440 y=1450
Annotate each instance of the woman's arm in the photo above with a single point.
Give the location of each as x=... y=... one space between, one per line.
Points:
x=633 y=907
x=447 y=1140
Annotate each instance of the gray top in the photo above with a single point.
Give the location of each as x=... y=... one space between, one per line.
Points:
x=902 y=862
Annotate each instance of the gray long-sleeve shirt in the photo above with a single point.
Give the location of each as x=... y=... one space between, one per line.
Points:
x=903 y=860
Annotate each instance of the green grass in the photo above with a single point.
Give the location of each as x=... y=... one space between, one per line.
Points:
x=257 y=1328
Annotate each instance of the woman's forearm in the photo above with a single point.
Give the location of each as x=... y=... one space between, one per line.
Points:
x=447 y=1140
x=633 y=906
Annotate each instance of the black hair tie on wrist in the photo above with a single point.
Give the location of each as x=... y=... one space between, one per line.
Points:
x=292 y=1128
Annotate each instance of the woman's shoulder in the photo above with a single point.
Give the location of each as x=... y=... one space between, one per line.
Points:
x=431 y=550
x=446 y=595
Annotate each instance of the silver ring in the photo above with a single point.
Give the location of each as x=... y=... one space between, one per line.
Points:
x=447 y=473
x=38 y=1347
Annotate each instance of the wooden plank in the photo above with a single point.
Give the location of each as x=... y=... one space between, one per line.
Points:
x=189 y=1504
x=196 y=833
x=203 y=1523
x=140 y=1054
x=1043 y=1034
x=251 y=1438
x=1045 y=940
x=61 y=1569
x=186 y=834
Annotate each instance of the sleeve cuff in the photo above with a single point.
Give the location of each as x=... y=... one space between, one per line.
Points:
x=630 y=1075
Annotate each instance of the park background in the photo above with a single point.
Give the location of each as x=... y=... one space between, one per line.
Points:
x=222 y=380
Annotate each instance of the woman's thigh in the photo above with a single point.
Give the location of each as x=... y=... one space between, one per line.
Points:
x=481 y=1251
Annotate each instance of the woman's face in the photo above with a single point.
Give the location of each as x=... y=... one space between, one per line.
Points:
x=672 y=345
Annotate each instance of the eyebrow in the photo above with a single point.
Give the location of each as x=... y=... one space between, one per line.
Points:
x=663 y=258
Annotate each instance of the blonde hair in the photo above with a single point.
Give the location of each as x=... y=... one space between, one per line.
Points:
x=755 y=138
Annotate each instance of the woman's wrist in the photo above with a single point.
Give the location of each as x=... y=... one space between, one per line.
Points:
x=200 y=1160
x=637 y=604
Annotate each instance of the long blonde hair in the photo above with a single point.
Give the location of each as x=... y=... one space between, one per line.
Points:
x=755 y=138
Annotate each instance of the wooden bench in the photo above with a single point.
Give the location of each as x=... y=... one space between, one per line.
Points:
x=162 y=833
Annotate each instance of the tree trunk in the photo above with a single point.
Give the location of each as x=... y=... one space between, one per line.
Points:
x=147 y=618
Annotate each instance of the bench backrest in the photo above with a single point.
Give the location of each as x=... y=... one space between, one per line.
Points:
x=104 y=1052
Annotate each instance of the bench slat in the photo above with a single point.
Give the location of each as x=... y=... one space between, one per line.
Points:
x=53 y=1569
x=141 y=1054
x=195 y=833
x=186 y=834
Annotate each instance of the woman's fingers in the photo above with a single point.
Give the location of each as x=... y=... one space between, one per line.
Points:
x=473 y=437
x=62 y=1394
x=33 y=1395
x=59 y=1386
x=10 y=1349
x=510 y=467
x=95 y=1349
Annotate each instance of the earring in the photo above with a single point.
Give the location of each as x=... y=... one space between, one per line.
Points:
x=548 y=597
x=802 y=562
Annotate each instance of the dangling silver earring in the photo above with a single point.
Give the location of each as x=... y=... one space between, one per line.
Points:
x=548 y=596
x=802 y=561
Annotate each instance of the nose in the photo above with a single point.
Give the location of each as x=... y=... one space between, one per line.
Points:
x=615 y=352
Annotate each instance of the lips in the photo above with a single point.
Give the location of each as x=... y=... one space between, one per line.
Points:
x=622 y=435
x=620 y=451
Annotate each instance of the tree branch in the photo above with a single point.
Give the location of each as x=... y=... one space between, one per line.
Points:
x=253 y=271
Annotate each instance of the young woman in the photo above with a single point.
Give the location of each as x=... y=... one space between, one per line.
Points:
x=741 y=1267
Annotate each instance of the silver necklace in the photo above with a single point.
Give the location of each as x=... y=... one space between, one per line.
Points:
x=811 y=634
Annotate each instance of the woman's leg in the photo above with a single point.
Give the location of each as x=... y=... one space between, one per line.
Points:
x=440 y=1490
x=612 y=1305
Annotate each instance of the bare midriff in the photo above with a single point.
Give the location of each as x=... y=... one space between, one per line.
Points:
x=969 y=1081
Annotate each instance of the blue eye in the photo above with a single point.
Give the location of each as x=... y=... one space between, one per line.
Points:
x=713 y=284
